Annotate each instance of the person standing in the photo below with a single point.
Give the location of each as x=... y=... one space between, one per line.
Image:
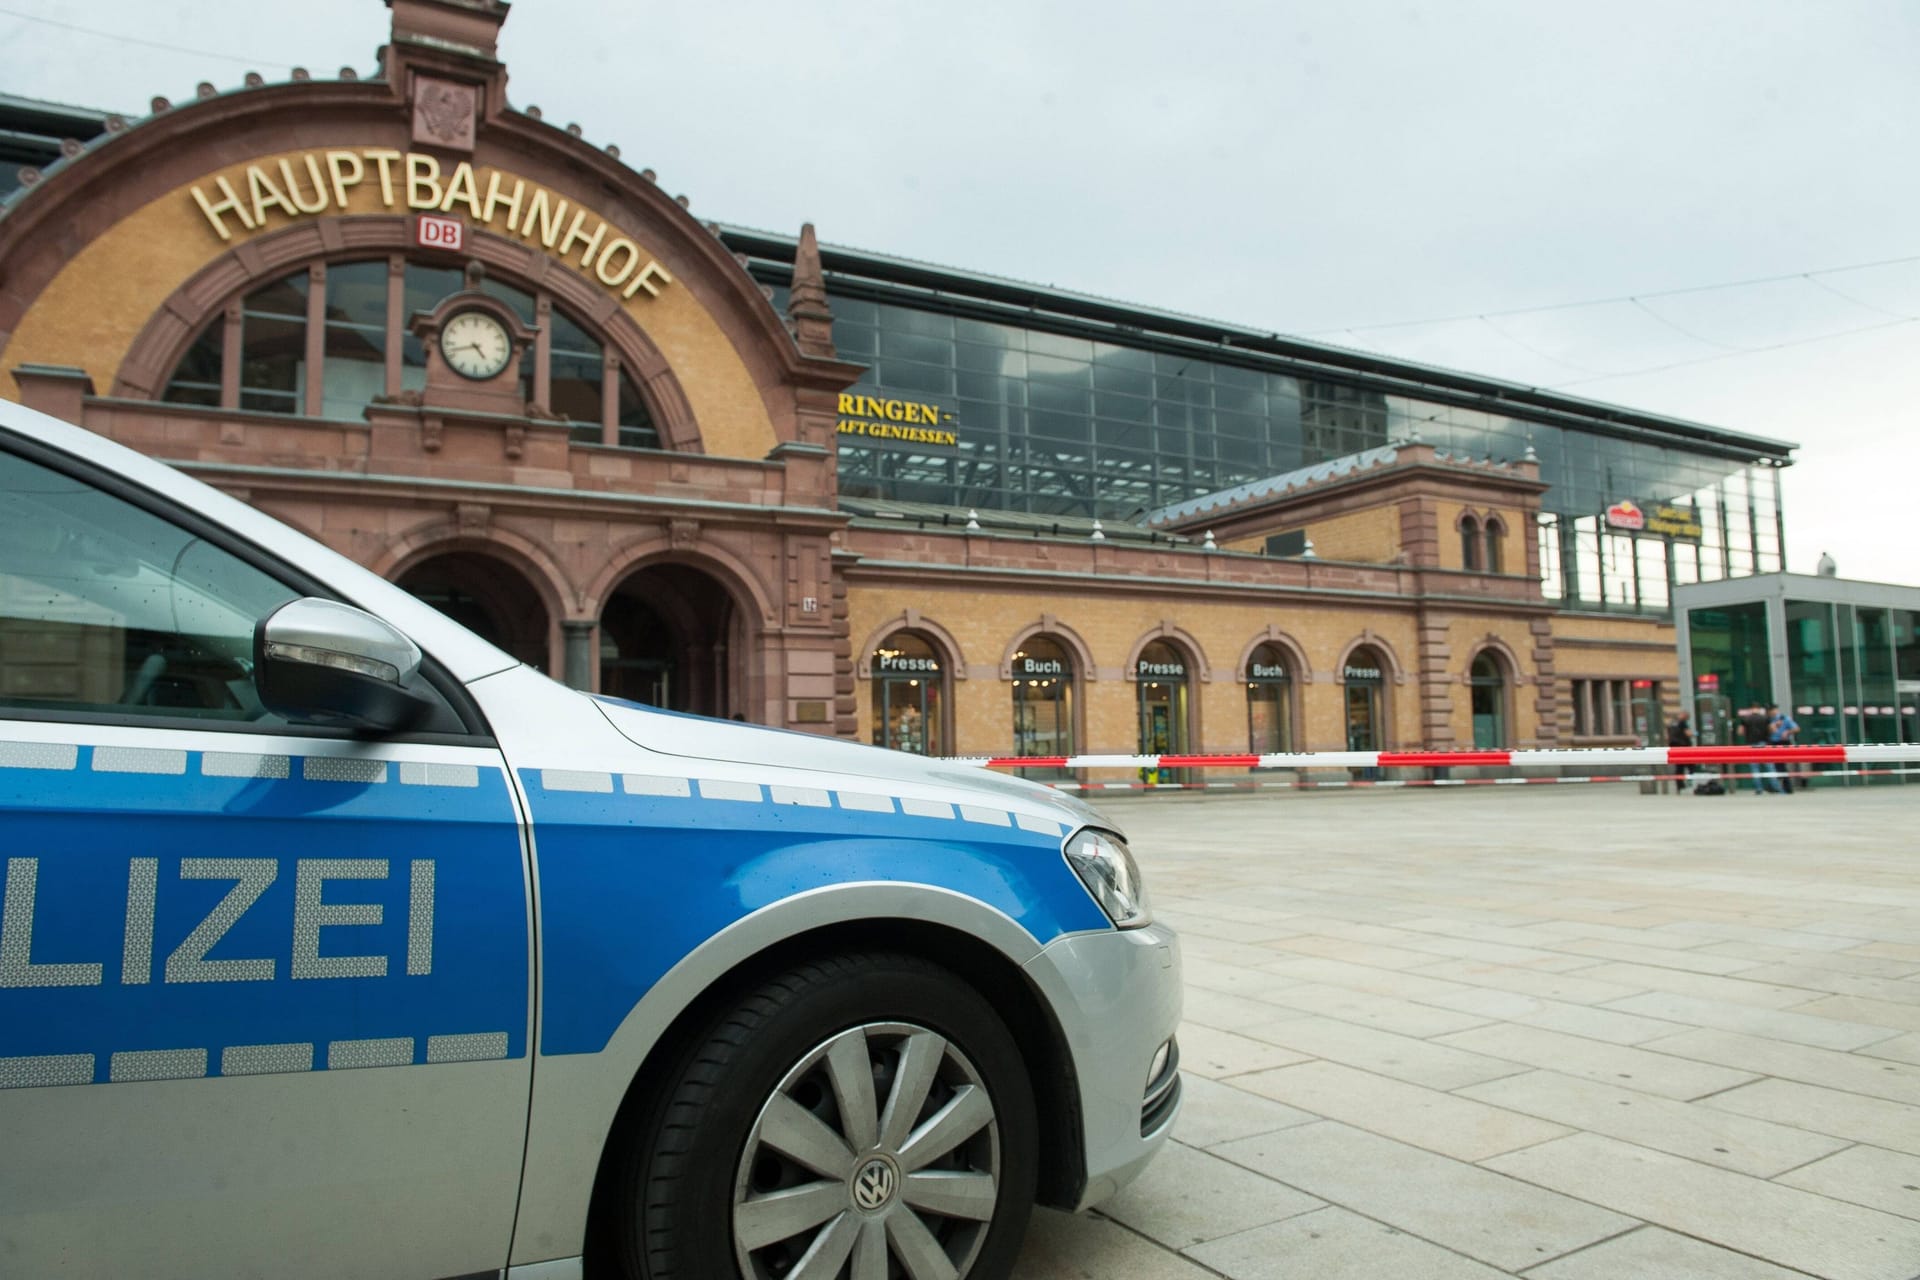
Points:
x=1680 y=734
x=1781 y=731
x=1755 y=731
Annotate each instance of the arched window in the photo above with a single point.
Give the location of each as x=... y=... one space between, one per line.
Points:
x=1487 y=687
x=1043 y=679
x=1364 y=677
x=909 y=688
x=326 y=340
x=1470 y=544
x=1496 y=536
x=1161 y=676
x=1269 y=700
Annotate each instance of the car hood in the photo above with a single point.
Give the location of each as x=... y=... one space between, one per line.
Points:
x=676 y=733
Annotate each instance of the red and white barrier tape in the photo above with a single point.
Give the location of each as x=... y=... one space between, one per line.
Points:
x=1732 y=781
x=1601 y=757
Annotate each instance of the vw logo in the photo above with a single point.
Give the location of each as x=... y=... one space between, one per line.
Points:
x=874 y=1185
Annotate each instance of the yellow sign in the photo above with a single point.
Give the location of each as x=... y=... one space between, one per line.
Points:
x=894 y=420
x=1675 y=522
x=318 y=182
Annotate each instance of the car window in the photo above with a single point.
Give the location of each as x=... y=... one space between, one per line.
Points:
x=107 y=607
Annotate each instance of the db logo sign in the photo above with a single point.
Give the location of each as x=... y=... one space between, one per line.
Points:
x=431 y=232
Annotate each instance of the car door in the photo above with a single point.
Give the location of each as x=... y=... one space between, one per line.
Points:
x=264 y=988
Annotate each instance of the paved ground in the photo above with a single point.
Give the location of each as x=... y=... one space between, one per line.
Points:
x=1570 y=1033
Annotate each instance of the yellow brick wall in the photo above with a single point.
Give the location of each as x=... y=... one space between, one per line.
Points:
x=1367 y=537
x=983 y=623
x=1465 y=638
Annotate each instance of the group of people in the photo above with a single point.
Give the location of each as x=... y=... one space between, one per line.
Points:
x=1766 y=726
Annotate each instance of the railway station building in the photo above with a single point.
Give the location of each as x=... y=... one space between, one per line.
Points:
x=736 y=472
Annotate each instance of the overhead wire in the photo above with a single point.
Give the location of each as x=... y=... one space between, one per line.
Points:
x=123 y=38
x=1637 y=298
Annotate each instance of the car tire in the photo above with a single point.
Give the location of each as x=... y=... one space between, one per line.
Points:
x=867 y=1113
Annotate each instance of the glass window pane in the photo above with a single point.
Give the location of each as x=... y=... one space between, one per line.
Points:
x=196 y=379
x=285 y=297
x=106 y=607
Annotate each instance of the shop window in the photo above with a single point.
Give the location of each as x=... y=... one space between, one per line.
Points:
x=1161 y=679
x=909 y=687
x=350 y=302
x=1043 y=679
x=1364 y=681
x=1269 y=701
x=1487 y=688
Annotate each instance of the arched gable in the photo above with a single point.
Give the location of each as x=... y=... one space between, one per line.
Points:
x=911 y=620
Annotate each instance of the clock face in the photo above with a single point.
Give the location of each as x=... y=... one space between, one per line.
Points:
x=475 y=345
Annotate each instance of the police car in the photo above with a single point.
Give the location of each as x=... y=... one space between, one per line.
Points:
x=337 y=943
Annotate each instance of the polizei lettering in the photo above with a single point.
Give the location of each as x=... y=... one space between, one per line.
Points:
x=187 y=961
x=334 y=182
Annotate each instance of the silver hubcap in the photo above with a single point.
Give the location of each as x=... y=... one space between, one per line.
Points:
x=877 y=1157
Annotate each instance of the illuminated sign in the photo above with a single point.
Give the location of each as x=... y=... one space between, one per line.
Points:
x=900 y=662
x=1662 y=518
x=1040 y=667
x=1625 y=515
x=1675 y=522
x=1261 y=671
x=321 y=182
x=1163 y=669
x=1362 y=673
x=913 y=421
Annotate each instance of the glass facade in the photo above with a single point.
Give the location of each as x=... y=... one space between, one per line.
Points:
x=1049 y=423
x=1846 y=667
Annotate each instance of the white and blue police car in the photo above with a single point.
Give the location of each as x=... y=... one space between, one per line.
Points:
x=337 y=943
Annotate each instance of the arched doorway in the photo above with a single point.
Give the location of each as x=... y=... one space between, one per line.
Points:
x=1043 y=683
x=488 y=597
x=670 y=638
x=909 y=695
x=1269 y=700
x=1161 y=674
x=1487 y=686
x=1364 y=678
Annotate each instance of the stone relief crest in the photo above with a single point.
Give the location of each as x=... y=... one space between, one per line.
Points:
x=443 y=113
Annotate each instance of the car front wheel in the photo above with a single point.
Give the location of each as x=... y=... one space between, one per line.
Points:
x=866 y=1116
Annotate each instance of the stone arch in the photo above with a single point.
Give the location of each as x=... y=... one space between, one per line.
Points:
x=1048 y=625
x=527 y=566
x=1368 y=640
x=1084 y=670
x=529 y=557
x=1509 y=661
x=911 y=620
x=1296 y=653
x=662 y=547
x=1203 y=671
x=1512 y=678
x=1301 y=673
x=222 y=283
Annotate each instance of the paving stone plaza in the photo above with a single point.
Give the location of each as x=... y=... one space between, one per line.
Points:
x=1567 y=1033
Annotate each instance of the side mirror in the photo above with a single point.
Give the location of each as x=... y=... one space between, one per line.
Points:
x=318 y=662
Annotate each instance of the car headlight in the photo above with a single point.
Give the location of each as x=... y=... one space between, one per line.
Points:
x=1106 y=866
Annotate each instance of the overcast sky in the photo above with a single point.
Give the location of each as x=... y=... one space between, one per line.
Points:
x=1330 y=170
